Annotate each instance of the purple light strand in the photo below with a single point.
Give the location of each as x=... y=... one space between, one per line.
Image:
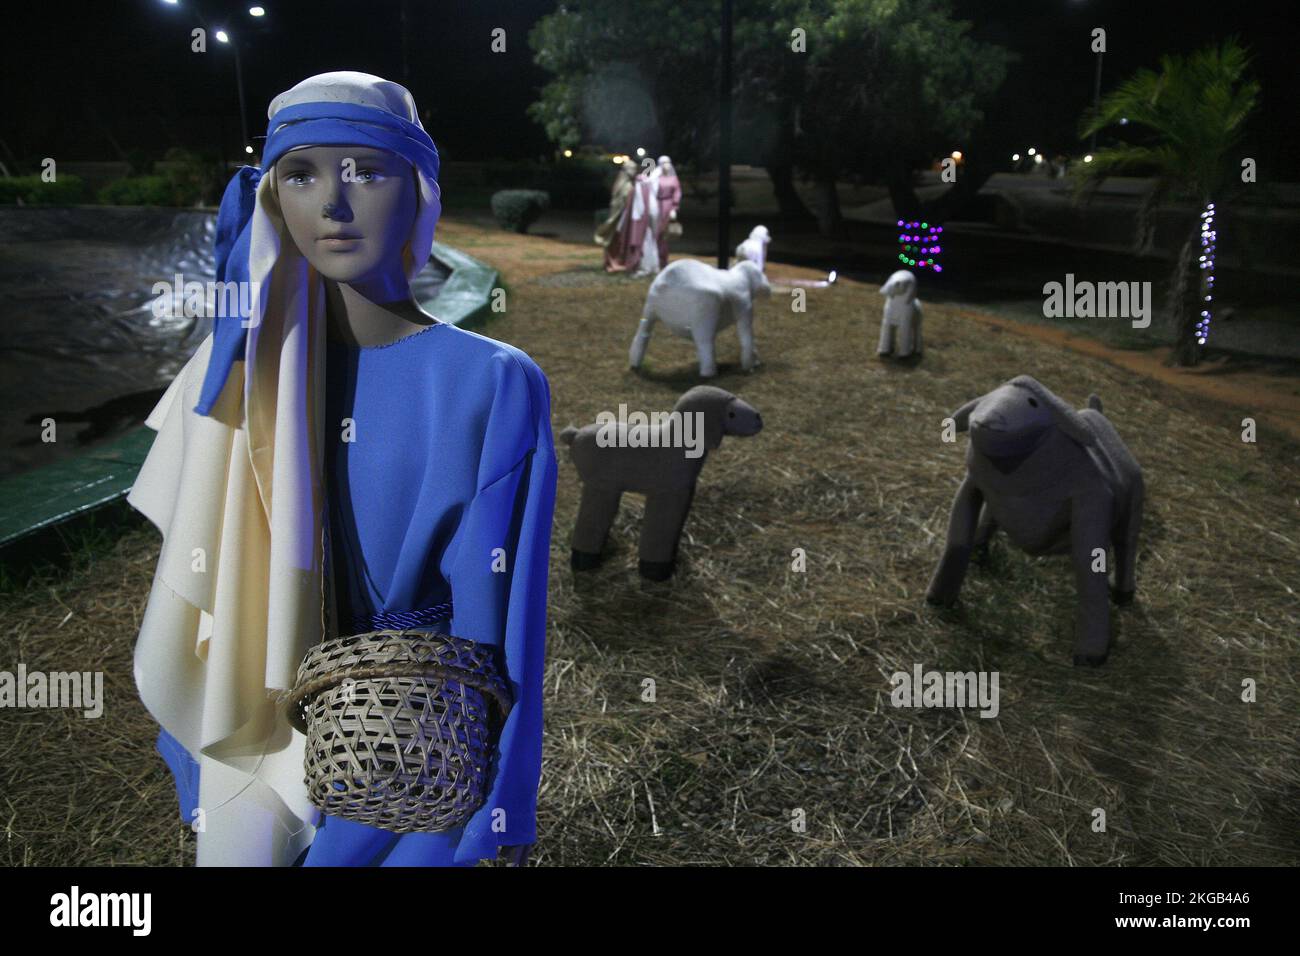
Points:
x=1209 y=238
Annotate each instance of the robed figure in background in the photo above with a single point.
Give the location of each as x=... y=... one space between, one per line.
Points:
x=668 y=189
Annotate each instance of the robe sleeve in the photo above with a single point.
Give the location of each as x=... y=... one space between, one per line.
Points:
x=498 y=573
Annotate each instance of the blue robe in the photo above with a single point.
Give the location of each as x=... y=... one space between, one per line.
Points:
x=440 y=509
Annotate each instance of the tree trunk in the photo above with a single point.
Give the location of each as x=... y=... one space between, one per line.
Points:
x=830 y=221
x=787 y=199
x=956 y=201
x=1184 y=303
x=907 y=205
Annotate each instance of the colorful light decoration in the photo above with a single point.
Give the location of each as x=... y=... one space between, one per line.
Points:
x=1209 y=237
x=920 y=242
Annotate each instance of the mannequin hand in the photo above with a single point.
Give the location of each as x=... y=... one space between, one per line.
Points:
x=672 y=216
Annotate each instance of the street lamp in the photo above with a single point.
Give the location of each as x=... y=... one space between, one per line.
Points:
x=222 y=36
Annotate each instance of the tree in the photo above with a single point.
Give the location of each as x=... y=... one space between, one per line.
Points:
x=1193 y=111
x=869 y=87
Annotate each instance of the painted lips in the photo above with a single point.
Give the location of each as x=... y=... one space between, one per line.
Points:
x=339 y=243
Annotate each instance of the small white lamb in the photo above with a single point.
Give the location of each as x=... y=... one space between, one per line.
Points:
x=696 y=301
x=755 y=247
x=900 y=329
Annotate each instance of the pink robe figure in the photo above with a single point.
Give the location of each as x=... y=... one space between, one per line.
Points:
x=623 y=254
x=670 y=198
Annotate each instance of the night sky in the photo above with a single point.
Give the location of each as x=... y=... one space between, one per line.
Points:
x=103 y=79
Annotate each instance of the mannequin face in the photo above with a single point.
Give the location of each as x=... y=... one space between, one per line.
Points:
x=349 y=210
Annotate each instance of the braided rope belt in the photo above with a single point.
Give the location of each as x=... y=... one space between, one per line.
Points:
x=400 y=727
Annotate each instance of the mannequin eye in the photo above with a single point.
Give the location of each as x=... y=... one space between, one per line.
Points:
x=368 y=175
x=1033 y=402
x=297 y=179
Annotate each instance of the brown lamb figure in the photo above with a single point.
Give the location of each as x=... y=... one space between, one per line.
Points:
x=1056 y=480
x=659 y=457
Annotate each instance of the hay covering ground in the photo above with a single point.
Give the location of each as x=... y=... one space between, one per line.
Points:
x=772 y=686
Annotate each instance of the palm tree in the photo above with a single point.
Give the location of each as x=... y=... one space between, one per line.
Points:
x=1195 y=107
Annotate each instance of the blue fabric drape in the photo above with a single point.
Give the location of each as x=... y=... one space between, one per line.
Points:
x=448 y=491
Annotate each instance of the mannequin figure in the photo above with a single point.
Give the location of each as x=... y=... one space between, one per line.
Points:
x=668 y=189
x=344 y=463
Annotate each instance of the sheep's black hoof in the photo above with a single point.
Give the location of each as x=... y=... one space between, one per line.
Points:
x=1090 y=660
x=1122 y=597
x=656 y=570
x=935 y=601
x=583 y=560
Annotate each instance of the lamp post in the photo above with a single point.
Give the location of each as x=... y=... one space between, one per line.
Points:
x=1096 y=99
x=724 y=138
x=223 y=36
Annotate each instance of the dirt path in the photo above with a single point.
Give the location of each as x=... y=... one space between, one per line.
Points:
x=1273 y=399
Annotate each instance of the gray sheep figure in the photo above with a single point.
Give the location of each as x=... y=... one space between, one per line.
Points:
x=1056 y=480
x=657 y=465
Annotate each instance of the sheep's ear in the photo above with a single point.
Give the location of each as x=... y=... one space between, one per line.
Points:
x=962 y=415
x=1065 y=417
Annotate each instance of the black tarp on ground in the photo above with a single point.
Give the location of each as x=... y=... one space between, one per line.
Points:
x=79 y=341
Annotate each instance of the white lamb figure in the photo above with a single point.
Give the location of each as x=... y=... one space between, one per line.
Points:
x=900 y=329
x=755 y=247
x=696 y=302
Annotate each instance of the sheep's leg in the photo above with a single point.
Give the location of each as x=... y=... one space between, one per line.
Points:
x=906 y=338
x=702 y=333
x=1089 y=531
x=1126 y=545
x=745 y=332
x=640 y=342
x=665 y=516
x=886 y=338
x=948 y=576
x=984 y=534
x=596 y=513
x=916 y=331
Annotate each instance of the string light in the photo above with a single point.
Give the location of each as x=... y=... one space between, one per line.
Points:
x=920 y=242
x=1209 y=238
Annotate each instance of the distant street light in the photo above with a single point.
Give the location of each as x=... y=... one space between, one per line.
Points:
x=1088 y=158
x=1015 y=157
x=224 y=37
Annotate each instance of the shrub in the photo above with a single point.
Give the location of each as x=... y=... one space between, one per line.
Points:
x=518 y=209
x=139 y=191
x=32 y=191
x=194 y=178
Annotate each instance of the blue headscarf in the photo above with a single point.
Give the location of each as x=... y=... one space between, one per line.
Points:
x=303 y=124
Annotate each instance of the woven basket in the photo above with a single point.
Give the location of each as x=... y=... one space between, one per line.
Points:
x=400 y=727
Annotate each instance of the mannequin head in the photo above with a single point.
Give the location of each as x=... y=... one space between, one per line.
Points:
x=349 y=210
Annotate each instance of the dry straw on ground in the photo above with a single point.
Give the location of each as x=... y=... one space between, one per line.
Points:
x=771 y=686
